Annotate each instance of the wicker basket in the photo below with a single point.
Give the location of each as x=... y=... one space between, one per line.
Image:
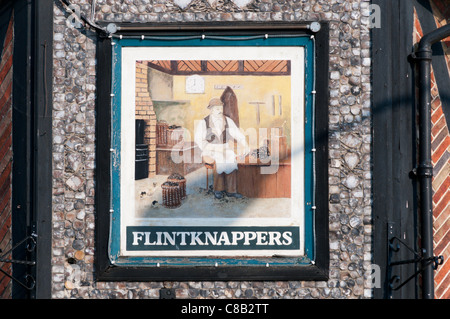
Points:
x=168 y=135
x=175 y=135
x=179 y=179
x=171 y=194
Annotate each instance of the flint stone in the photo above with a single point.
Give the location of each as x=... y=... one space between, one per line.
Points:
x=182 y=3
x=75 y=183
x=351 y=181
x=355 y=221
x=74 y=162
x=78 y=244
x=351 y=159
x=351 y=141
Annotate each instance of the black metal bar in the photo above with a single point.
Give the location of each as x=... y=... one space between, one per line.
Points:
x=218 y=25
x=14 y=261
x=103 y=163
x=42 y=79
x=20 y=262
x=22 y=142
x=17 y=245
x=407 y=280
x=426 y=262
x=18 y=281
x=404 y=244
x=403 y=262
x=425 y=169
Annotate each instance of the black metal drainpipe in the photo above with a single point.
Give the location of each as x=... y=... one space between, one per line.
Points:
x=424 y=55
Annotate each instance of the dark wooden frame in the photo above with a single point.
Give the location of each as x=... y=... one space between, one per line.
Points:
x=394 y=138
x=106 y=271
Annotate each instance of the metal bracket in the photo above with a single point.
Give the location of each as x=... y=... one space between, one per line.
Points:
x=413 y=58
x=421 y=171
x=31 y=245
x=167 y=293
x=394 y=246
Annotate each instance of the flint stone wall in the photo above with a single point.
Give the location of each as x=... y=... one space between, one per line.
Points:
x=74 y=118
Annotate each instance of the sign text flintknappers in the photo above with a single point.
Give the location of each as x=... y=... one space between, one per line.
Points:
x=212 y=238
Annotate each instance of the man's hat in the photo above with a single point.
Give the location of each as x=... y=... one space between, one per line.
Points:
x=214 y=102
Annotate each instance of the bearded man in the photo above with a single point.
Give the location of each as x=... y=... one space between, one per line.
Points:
x=215 y=136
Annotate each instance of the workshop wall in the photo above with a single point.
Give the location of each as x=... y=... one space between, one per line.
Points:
x=261 y=89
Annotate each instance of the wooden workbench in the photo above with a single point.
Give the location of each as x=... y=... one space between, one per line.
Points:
x=253 y=184
x=165 y=165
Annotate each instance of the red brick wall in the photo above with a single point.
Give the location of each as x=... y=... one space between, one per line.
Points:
x=441 y=161
x=144 y=111
x=440 y=155
x=6 y=158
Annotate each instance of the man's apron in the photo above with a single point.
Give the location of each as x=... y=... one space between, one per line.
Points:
x=223 y=154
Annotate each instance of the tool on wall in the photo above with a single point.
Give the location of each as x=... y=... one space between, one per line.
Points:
x=258 y=111
x=273 y=105
x=280 y=105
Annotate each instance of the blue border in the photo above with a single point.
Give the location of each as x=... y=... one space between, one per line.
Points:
x=114 y=242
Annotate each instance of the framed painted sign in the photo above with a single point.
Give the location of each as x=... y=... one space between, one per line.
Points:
x=212 y=155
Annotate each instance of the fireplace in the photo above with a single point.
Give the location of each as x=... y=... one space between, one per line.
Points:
x=145 y=126
x=142 y=152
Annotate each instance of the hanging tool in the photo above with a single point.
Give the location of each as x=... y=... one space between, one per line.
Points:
x=280 y=105
x=273 y=105
x=258 y=113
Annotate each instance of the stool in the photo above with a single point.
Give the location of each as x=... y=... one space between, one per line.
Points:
x=208 y=167
x=209 y=164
